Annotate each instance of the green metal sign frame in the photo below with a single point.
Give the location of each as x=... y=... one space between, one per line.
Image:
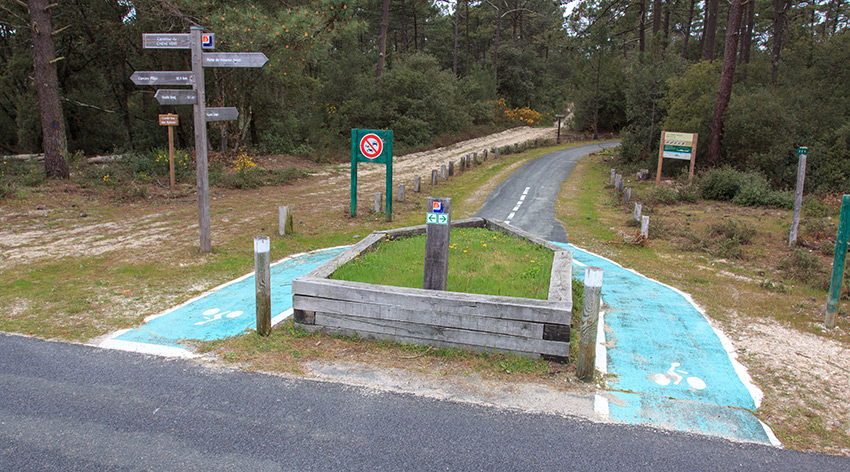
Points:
x=375 y=146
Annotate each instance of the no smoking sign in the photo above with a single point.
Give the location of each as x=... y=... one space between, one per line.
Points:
x=371 y=146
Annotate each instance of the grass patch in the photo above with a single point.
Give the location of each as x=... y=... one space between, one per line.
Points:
x=480 y=261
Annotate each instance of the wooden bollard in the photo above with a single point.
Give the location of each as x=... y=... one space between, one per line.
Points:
x=378 y=200
x=469 y=162
x=613 y=174
x=434 y=177
x=484 y=155
x=285 y=224
x=627 y=195
x=400 y=192
x=638 y=209
x=451 y=168
x=620 y=182
x=417 y=184
x=437 y=229
x=644 y=227
x=586 y=359
x=462 y=166
x=443 y=172
x=475 y=159
x=496 y=153
x=262 y=278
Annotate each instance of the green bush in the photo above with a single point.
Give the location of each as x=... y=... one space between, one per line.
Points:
x=742 y=188
x=732 y=230
x=663 y=195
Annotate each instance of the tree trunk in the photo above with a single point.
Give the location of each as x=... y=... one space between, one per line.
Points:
x=656 y=16
x=710 y=29
x=747 y=40
x=382 y=46
x=403 y=21
x=47 y=85
x=779 y=9
x=457 y=27
x=724 y=91
x=688 y=30
x=496 y=46
x=642 y=26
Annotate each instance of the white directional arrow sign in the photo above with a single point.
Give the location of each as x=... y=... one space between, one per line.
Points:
x=175 y=41
x=234 y=59
x=162 y=77
x=221 y=114
x=176 y=97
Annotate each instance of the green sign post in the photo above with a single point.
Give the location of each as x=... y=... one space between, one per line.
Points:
x=838 y=263
x=375 y=146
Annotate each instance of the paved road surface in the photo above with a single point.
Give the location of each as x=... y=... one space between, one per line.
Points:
x=526 y=199
x=68 y=407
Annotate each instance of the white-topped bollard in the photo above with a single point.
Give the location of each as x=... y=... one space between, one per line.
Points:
x=262 y=278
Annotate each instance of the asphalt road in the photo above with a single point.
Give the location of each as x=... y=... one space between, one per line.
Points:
x=69 y=407
x=527 y=197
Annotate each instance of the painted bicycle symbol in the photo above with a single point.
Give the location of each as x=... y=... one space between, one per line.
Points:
x=674 y=377
x=213 y=314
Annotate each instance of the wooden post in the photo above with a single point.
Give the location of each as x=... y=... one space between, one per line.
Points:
x=401 y=192
x=262 y=278
x=838 y=264
x=285 y=223
x=451 y=168
x=469 y=162
x=618 y=182
x=586 y=359
x=484 y=155
x=496 y=153
x=462 y=166
x=417 y=184
x=201 y=164
x=798 y=196
x=638 y=208
x=434 y=177
x=170 y=120
x=443 y=172
x=378 y=200
x=627 y=195
x=613 y=174
x=437 y=229
x=644 y=227
x=474 y=159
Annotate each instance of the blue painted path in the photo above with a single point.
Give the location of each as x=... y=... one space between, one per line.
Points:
x=670 y=367
x=224 y=311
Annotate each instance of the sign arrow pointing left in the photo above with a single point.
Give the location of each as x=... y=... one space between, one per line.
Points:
x=176 y=97
x=163 y=77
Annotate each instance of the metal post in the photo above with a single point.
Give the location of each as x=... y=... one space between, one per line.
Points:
x=838 y=263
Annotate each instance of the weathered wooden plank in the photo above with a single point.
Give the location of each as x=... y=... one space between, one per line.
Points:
x=561 y=278
x=518 y=233
x=436 y=318
x=523 y=309
x=409 y=340
x=473 y=338
x=328 y=268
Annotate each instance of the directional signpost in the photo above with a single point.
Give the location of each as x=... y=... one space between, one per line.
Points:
x=375 y=146
x=196 y=41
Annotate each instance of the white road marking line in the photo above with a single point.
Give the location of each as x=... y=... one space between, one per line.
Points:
x=519 y=204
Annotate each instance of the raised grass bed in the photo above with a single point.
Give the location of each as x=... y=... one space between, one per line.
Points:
x=525 y=326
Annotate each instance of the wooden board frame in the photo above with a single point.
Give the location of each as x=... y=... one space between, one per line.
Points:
x=661 y=157
x=528 y=327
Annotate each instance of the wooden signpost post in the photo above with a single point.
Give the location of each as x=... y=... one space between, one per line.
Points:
x=677 y=146
x=170 y=121
x=438 y=225
x=196 y=41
